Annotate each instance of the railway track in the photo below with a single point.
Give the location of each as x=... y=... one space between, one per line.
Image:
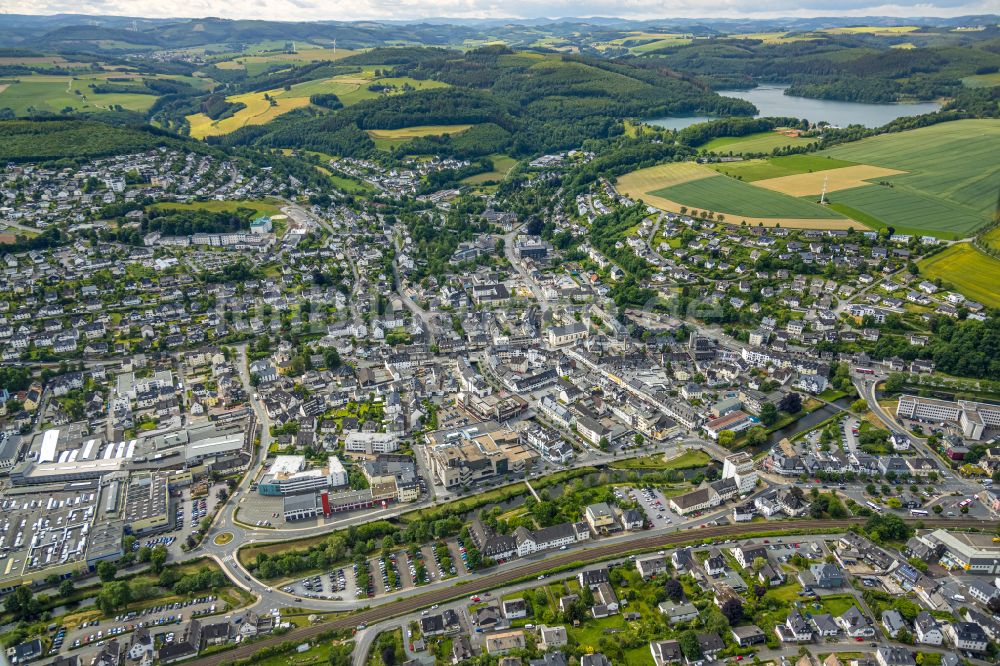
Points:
x=505 y=575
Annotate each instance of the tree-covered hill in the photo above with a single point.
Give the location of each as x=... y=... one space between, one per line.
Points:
x=531 y=102
x=836 y=66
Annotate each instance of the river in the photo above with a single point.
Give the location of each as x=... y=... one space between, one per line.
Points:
x=771 y=100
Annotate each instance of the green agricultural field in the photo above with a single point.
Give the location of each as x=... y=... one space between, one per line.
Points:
x=982 y=80
x=735 y=198
x=775 y=167
x=908 y=211
x=55 y=93
x=762 y=142
x=951 y=180
x=971 y=272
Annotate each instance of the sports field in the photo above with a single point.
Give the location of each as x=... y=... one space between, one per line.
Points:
x=776 y=167
x=951 y=182
x=833 y=180
x=762 y=142
x=971 y=272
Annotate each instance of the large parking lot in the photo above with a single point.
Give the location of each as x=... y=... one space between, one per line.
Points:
x=161 y=618
x=395 y=572
x=336 y=584
x=653 y=502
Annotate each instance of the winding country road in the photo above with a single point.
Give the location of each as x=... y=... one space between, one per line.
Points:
x=506 y=575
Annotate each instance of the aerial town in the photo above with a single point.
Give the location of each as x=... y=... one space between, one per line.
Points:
x=499 y=342
x=236 y=413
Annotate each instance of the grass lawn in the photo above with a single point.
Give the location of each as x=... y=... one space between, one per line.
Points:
x=776 y=167
x=261 y=206
x=480 y=499
x=314 y=656
x=787 y=593
x=761 y=142
x=687 y=460
x=836 y=604
x=640 y=656
x=831 y=394
x=970 y=271
x=501 y=165
x=589 y=633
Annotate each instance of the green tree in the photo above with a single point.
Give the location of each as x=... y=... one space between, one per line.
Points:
x=66 y=587
x=113 y=595
x=768 y=413
x=158 y=558
x=690 y=645
x=106 y=570
x=22 y=604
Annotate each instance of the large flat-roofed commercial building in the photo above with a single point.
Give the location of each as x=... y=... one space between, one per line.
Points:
x=974 y=553
x=55 y=533
x=147 y=500
x=462 y=456
x=325 y=503
x=288 y=476
x=975 y=418
x=69 y=454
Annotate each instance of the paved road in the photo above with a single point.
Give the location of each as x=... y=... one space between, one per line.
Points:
x=509 y=574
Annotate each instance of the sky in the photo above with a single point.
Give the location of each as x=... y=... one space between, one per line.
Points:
x=349 y=10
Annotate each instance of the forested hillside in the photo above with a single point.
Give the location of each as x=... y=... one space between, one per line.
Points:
x=521 y=103
x=835 y=66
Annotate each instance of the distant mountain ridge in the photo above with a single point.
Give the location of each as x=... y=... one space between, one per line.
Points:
x=70 y=31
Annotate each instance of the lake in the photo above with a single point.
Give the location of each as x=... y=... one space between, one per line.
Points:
x=770 y=100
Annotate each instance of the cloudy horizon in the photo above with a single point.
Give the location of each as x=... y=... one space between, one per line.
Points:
x=415 y=10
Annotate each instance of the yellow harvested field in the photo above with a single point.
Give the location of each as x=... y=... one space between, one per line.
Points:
x=230 y=64
x=787 y=222
x=417 y=131
x=638 y=183
x=885 y=31
x=811 y=184
x=257 y=112
x=3 y=86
